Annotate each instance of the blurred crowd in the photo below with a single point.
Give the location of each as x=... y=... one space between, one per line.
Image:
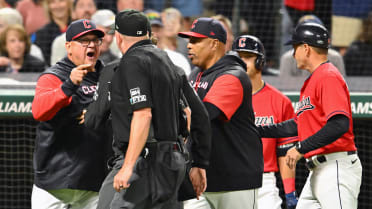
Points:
x=32 y=32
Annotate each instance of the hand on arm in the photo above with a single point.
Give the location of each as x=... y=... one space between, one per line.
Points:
x=139 y=131
x=292 y=157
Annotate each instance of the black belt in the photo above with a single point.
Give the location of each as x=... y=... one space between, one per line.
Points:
x=160 y=146
x=310 y=164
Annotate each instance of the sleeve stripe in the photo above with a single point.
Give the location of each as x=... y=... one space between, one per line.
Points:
x=338 y=112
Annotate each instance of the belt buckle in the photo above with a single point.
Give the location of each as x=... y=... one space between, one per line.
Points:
x=146 y=152
x=310 y=164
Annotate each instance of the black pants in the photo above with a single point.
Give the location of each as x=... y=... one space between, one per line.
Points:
x=159 y=176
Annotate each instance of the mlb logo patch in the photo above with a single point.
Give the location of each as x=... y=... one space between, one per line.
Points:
x=135 y=96
x=134 y=92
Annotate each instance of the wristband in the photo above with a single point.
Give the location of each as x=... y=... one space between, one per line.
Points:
x=289 y=185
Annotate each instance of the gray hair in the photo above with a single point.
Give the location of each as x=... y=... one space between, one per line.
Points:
x=11 y=16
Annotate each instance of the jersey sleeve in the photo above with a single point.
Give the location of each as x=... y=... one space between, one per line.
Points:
x=137 y=82
x=334 y=97
x=226 y=94
x=99 y=110
x=49 y=98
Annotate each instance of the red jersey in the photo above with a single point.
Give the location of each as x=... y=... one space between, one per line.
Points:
x=323 y=95
x=271 y=106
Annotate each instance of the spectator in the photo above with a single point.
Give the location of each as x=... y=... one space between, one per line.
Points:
x=10 y=16
x=298 y=8
x=172 y=20
x=14 y=49
x=33 y=15
x=119 y=5
x=104 y=20
x=227 y=25
x=357 y=57
x=157 y=30
x=59 y=13
x=347 y=21
x=129 y=4
x=188 y=8
x=3 y=4
x=82 y=9
x=288 y=67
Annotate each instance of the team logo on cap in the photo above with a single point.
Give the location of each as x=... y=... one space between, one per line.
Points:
x=193 y=24
x=87 y=24
x=242 y=42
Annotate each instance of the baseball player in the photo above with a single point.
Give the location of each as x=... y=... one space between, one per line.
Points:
x=270 y=106
x=324 y=125
x=68 y=159
x=236 y=163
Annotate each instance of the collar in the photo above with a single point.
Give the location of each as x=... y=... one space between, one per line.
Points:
x=140 y=43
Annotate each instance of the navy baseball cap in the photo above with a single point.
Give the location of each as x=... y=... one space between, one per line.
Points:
x=206 y=27
x=154 y=17
x=81 y=27
x=131 y=22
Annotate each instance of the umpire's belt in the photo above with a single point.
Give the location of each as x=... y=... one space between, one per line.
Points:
x=319 y=159
x=159 y=146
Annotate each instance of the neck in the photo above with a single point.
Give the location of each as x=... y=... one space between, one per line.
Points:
x=61 y=22
x=211 y=61
x=169 y=43
x=316 y=62
x=17 y=63
x=257 y=82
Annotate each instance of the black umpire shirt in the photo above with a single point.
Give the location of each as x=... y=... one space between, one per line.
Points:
x=145 y=78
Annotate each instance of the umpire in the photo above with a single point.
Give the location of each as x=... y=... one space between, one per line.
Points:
x=145 y=95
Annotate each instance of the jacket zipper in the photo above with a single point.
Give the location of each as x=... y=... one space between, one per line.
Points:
x=197 y=82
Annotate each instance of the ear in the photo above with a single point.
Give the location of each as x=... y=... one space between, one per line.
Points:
x=307 y=49
x=68 y=47
x=215 y=44
x=118 y=38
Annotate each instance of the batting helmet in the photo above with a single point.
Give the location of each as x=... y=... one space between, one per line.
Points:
x=252 y=44
x=311 y=33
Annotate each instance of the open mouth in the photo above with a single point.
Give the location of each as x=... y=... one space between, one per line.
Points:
x=90 y=54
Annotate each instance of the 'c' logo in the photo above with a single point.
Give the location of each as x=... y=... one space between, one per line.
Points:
x=87 y=24
x=193 y=24
x=242 y=42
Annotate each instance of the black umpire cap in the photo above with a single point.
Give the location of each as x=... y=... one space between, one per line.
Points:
x=131 y=22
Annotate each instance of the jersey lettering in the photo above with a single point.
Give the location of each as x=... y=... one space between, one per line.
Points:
x=303 y=105
x=264 y=120
x=202 y=84
x=89 y=89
